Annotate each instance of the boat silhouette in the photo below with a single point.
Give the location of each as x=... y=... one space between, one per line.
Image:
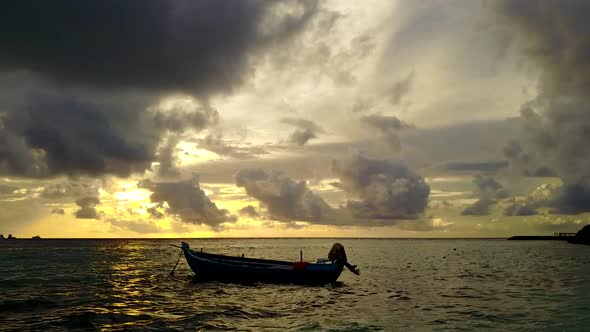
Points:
x=207 y=266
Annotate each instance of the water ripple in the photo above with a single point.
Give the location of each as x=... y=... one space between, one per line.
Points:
x=433 y=284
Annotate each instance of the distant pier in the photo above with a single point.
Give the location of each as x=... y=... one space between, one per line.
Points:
x=554 y=237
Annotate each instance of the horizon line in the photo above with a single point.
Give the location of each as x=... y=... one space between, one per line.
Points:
x=259 y=238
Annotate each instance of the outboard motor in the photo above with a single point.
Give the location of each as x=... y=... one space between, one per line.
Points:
x=338 y=254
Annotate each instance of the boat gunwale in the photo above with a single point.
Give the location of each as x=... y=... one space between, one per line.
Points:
x=246 y=261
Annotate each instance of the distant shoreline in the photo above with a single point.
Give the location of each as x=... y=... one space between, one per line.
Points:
x=258 y=238
x=539 y=238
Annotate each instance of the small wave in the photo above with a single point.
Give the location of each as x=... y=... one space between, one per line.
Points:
x=235 y=312
x=16 y=306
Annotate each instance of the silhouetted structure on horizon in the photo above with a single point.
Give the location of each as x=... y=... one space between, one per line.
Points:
x=564 y=234
x=582 y=236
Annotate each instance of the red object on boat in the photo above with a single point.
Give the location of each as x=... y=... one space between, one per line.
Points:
x=300 y=265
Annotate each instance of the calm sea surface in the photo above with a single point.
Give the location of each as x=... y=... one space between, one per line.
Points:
x=404 y=285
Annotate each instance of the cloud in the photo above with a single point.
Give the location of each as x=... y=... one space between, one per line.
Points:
x=519 y=159
x=217 y=145
x=7 y=189
x=167 y=158
x=164 y=45
x=386 y=189
x=66 y=113
x=185 y=115
x=423 y=148
x=285 y=199
x=58 y=134
x=301 y=136
x=544 y=196
x=93 y=136
x=401 y=89
x=478 y=166
x=82 y=140
x=306 y=130
x=249 y=211
x=489 y=192
x=18 y=215
x=488 y=187
x=555 y=38
x=88 y=208
x=156 y=211
x=361 y=105
x=188 y=201
x=141 y=227
x=559 y=224
x=68 y=189
x=520 y=209
x=388 y=126
x=58 y=211
x=426 y=225
x=521 y=163
x=480 y=207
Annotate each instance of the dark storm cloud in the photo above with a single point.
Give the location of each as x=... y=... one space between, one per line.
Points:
x=223 y=148
x=489 y=192
x=180 y=118
x=543 y=171
x=74 y=136
x=69 y=189
x=544 y=196
x=193 y=46
x=388 y=126
x=81 y=79
x=48 y=135
x=155 y=212
x=384 y=192
x=423 y=148
x=87 y=208
x=481 y=207
x=167 y=158
x=285 y=199
x=302 y=136
x=249 y=211
x=58 y=211
x=188 y=201
x=15 y=157
x=574 y=198
x=305 y=131
x=387 y=190
x=556 y=37
x=520 y=209
x=488 y=187
x=519 y=159
x=521 y=163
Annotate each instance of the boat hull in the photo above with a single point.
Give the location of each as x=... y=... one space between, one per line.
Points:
x=250 y=270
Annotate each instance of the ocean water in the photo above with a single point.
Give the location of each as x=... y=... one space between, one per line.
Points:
x=411 y=285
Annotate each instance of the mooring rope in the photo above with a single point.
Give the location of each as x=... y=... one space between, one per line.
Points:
x=175 y=265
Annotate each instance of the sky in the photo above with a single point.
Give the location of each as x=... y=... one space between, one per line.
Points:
x=302 y=118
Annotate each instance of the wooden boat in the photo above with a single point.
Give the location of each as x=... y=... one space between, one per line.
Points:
x=209 y=266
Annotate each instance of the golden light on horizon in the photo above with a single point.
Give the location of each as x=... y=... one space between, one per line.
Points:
x=135 y=194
